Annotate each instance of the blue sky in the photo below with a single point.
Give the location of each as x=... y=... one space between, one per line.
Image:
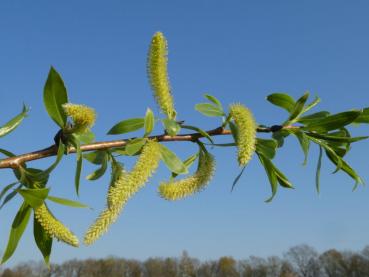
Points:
x=239 y=51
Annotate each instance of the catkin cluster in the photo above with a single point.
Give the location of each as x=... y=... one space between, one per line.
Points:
x=123 y=186
x=246 y=139
x=175 y=190
x=54 y=227
x=158 y=75
x=83 y=117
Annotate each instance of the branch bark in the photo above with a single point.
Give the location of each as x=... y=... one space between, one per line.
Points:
x=16 y=161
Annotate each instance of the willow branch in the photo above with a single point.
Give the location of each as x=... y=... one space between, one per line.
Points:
x=16 y=161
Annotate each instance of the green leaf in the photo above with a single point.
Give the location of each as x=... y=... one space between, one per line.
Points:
x=364 y=117
x=10 y=196
x=297 y=109
x=19 y=225
x=45 y=174
x=95 y=157
x=201 y=131
x=6 y=153
x=345 y=167
x=43 y=241
x=273 y=179
x=126 y=126
x=333 y=122
x=172 y=161
x=235 y=181
x=339 y=139
x=6 y=188
x=66 y=202
x=100 y=171
x=86 y=137
x=234 y=131
x=215 y=101
x=311 y=105
x=188 y=162
x=318 y=168
x=209 y=109
x=315 y=117
x=282 y=179
x=223 y=144
x=279 y=136
x=77 y=177
x=304 y=143
x=329 y=149
x=34 y=197
x=134 y=146
x=149 y=122
x=14 y=122
x=282 y=100
x=171 y=126
x=55 y=95
x=266 y=147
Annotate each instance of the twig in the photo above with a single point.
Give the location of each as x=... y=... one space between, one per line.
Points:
x=16 y=161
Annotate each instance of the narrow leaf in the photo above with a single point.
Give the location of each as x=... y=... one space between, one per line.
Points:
x=6 y=188
x=235 y=181
x=55 y=95
x=201 y=131
x=282 y=100
x=149 y=122
x=214 y=100
x=6 y=153
x=315 y=117
x=19 y=225
x=266 y=147
x=269 y=169
x=95 y=157
x=100 y=171
x=14 y=122
x=339 y=139
x=66 y=202
x=134 y=146
x=34 y=197
x=304 y=143
x=346 y=168
x=311 y=105
x=364 y=117
x=86 y=137
x=318 y=168
x=333 y=122
x=127 y=126
x=298 y=108
x=188 y=162
x=10 y=196
x=171 y=126
x=209 y=109
x=172 y=161
x=43 y=241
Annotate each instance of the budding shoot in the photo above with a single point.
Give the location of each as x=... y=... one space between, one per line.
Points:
x=158 y=76
x=83 y=117
x=54 y=227
x=123 y=186
x=175 y=190
x=246 y=139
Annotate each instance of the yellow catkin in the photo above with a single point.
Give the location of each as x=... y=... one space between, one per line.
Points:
x=83 y=117
x=54 y=227
x=176 y=190
x=123 y=187
x=158 y=75
x=246 y=124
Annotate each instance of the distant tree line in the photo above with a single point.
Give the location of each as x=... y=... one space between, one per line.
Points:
x=298 y=261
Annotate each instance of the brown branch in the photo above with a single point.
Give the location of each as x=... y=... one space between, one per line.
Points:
x=16 y=161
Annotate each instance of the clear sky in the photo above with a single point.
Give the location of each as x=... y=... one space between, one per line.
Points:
x=239 y=51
